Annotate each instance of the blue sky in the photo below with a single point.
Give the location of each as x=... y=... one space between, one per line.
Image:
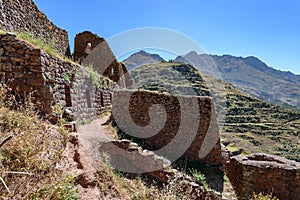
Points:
x=268 y=29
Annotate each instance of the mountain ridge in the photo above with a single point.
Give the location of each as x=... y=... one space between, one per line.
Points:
x=249 y=74
x=252 y=76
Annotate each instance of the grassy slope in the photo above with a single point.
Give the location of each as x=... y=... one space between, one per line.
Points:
x=34 y=151
x=251 y=125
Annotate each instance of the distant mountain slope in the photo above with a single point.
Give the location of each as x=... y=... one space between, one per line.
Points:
x=251 y=75
x=251 y=125
x=141 y=58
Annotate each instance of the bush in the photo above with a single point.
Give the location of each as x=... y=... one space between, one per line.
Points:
x=199 y=176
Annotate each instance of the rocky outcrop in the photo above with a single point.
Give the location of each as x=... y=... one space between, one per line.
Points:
x=24 y=15
x=262 y=173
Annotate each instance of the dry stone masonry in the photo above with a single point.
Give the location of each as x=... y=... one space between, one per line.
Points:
x=84 y=43
x=24 y=16
x=139 y=107
x=262 y=173
x=92 y=50
x=145 y=161
x=51 y=80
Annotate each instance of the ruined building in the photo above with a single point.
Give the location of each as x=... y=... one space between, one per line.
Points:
x=51 y=80
x=266 y=174
x=90 y=49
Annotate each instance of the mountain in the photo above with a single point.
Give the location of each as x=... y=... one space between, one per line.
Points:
x=141 y=58
x=251 y=125
x=250 y=75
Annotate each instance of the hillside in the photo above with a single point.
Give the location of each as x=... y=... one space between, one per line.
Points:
x=171 y=78
x=141 y=58
x=251 y=125
x=252 y=76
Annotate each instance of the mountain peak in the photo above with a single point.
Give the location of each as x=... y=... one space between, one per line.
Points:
x=192 y=53
x=142 y=52
x=142 y=58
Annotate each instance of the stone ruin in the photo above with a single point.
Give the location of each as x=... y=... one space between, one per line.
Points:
x=266 y=174
x=49 y=80
x=84 y=43
x=24 y=16
x=178 y=119
x=146 y=161
x=90 y=49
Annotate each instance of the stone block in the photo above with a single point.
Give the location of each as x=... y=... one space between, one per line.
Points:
x=263 y=173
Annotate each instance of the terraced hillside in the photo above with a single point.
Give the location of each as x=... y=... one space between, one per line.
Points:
x=173 y=78
x=251 y=125
x=251 y=75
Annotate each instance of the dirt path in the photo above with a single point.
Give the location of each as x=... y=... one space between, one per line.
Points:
x=82 y=157
x=93 y=134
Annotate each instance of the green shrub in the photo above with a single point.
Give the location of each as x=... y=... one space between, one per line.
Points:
x=94 y=76
x=199 y=176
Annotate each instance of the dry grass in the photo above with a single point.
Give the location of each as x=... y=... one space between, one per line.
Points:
x=28 y=160
x=40 y=43
x=37 y=42
x=142 y=188
x=263 y=197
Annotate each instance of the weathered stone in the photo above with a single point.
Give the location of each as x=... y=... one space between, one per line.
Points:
x=37 y=82
x=100 y=57
x=140 y=103
x=20 y=51
x=15 y=18
x=7 y=38
x=30 y=70
x=262 y=173
x=9 y=49
x=1 y=52
x=85 y=42
x=16 y=59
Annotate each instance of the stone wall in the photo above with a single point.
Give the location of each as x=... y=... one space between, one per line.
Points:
x=50 y=80
x=262 y=173
x=181 y=124
x=84 y=43
x=23 y=15
x=92 y=50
